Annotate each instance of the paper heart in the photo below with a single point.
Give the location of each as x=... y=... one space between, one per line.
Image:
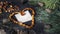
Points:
x=20 y=23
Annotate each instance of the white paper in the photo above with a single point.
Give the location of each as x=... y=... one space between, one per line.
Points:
x=25 y=18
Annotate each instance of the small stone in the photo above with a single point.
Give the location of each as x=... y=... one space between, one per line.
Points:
x=48 y=10
x=11 y=6
x=2 y=31
x=5 y=20
x=41 y=4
